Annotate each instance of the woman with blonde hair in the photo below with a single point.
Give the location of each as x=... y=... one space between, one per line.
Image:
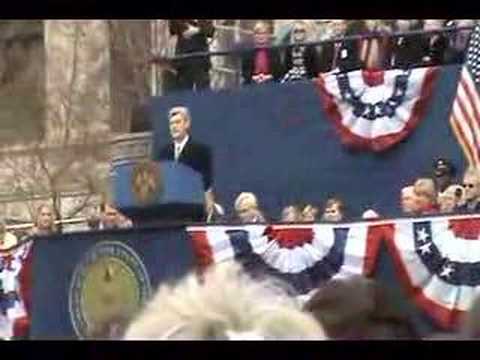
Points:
x=44 y=221
x=301 y=61
x=226 y=305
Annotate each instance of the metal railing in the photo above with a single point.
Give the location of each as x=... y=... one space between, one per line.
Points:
x=244 y=50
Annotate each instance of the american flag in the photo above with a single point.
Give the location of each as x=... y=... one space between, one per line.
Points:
x=465 y=115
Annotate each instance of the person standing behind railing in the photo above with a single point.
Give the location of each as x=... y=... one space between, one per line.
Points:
x=262 y=64
x=458 y=41
x=375 y=51
x=406 y=50
x=192 y=36
x=434 y=45
x=301 y=61
x=342 y=55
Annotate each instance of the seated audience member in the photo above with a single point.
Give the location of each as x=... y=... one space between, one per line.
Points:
x=471 y=188
x=110 y=218
x=434 y=45
x=44 y=221
x=291 y=213
x=310 y=213
x=262 y=64
x=450 y=199
x=226 y=305
x=408 y=201
x=301 y=61
x=7 y=239
x=426 y=196
x=247 y=210
x=217 y=214
x=334 y=210
x=406 y=50
x=368 y=315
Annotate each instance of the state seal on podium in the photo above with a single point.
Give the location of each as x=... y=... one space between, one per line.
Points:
x=147 y=182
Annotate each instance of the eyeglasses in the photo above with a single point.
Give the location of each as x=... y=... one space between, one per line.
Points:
x=470 y=186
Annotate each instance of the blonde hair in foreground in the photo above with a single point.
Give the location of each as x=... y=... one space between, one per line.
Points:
x=228 y=305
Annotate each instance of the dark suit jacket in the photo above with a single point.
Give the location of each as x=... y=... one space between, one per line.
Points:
x=406 y=52
x=351 y=60
x=196 y=43
x=248 y=64
x=194 y=155
x=435 y=51
x=310 y=59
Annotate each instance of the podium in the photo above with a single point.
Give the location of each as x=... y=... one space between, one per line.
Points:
x=150 y=192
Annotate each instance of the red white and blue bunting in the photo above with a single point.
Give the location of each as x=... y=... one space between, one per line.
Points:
x=375 y=110
x=437 y=259
x=304 y=256
x=12 y=308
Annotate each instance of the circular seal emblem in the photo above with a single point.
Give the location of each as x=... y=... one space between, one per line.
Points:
x=146 y=181
x=110 y=283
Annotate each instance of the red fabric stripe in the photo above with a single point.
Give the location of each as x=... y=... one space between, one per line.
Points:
x=202 y=249
x=26 y=281
x=444 y=317
x=21 y=327
x=467 y=229
x=289 y=237
x=379 y=143
x=463 y=138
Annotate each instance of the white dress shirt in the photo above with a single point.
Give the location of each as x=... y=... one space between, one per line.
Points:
x=179 y=147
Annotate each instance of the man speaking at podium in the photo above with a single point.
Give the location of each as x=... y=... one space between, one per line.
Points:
x=192 y=154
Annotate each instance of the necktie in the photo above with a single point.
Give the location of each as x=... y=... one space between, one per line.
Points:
x=177 y=151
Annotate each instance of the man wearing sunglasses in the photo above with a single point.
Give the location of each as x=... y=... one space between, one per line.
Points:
x=471 y=190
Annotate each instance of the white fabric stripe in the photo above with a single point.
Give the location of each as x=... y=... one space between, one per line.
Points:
x=444 y=294
x=355 y=251
x=456 y=249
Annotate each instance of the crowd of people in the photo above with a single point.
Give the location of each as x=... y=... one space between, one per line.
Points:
x=437 y=194
x=45 y=223
x=378 y=49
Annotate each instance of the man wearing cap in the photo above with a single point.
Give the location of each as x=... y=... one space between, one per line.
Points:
x=192 y=154
x=444 y=173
